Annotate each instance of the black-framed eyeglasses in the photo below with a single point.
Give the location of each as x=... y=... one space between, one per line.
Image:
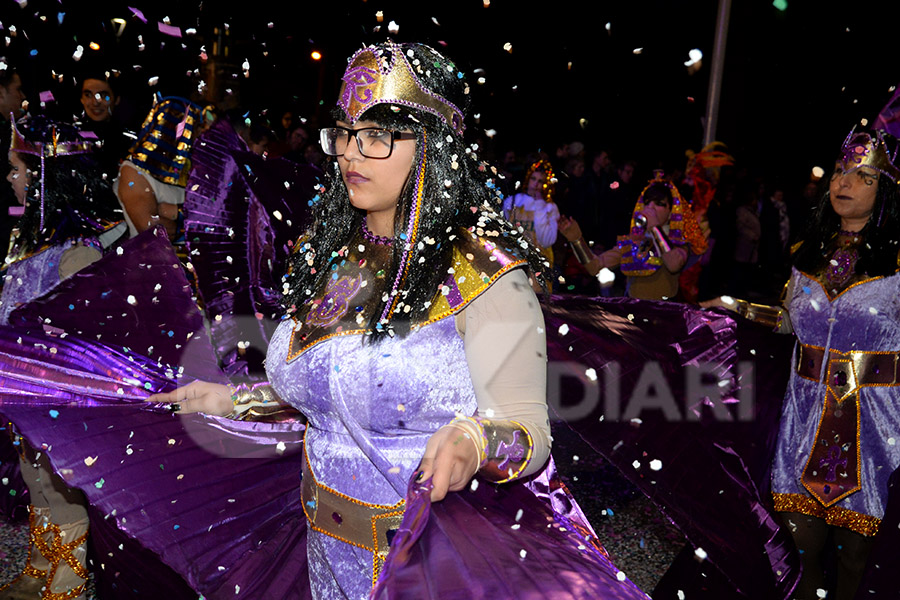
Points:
x=373 y=142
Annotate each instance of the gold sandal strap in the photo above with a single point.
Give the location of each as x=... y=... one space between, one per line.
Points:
x=67 y=595
x=65 y=555
x=32 y=572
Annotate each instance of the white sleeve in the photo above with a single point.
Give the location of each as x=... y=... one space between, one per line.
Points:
x=546 y=224
x=506 y=350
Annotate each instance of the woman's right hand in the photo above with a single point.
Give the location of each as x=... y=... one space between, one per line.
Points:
x=198 y=396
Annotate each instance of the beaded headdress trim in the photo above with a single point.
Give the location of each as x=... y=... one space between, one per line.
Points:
x=48 y=149
x=371 y=79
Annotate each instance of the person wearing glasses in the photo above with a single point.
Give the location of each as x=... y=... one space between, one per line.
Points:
x=414 y=344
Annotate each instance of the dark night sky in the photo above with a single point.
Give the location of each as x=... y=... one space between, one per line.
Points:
x=794 y=81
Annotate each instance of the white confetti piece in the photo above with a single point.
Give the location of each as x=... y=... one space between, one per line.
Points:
x=655 y=464
x=519 y=515
x=474 y=485
x=563 y=329
x=132 y=300
x=522 y=553
x=700 y=553
x=280 y=447
x=620 y=576
x=591 y=374
x=820 y=593
x=90 y=460
x=636 y=464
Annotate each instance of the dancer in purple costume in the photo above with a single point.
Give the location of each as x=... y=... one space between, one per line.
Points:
x=415 y=345
x=838 y=441
x=70 y=218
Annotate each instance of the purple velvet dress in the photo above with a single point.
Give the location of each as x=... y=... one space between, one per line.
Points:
x=371 y=409
x=864 y=317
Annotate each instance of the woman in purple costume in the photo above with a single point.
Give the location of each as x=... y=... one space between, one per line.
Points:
x=414 y=345
x=839 y=440
x=70 y=217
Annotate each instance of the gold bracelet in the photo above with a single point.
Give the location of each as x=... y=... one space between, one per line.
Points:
x=581 y=250
x=245 y=398
x=662 y=243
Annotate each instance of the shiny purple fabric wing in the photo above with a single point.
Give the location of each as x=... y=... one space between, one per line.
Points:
x=494 y=542
x=136 y=297
x=651 y=365
x=242 y=215
x=217 y=500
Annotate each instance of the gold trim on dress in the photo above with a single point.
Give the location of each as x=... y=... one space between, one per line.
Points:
x=834 y=515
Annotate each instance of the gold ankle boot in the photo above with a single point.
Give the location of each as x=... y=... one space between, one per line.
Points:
x=29 y=584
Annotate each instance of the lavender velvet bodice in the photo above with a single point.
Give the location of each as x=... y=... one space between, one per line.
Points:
x=865 y=317
x=372 y=407
x=29 y=278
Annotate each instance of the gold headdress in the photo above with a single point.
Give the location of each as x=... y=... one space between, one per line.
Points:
x=867 y=150
x=549 y=186
x=372 y=79
x=51 y=148
x=683 y=231
x=47 y=149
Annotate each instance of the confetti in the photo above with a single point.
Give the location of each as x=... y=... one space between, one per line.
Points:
x=54 y=413
x=700 y=553
x=563 y=329
x=620 y=576
x=655 y=464
x=90 y=460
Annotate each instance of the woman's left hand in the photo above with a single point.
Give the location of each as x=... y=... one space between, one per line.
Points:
x=450 y=459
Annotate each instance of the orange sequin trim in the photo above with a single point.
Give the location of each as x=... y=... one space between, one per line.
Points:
x=833 y=515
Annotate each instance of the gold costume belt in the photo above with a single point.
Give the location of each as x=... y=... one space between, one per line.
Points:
x=832 y=471
x=348 y=519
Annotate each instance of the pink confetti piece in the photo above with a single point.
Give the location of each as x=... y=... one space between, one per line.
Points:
x=169 y=30
x=47 y=96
